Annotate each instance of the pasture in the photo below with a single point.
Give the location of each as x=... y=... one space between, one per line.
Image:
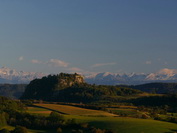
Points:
x=71 y=110
x=38 y=110
x=109 y=121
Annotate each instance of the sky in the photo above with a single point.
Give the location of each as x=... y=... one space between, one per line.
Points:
x=88 y=36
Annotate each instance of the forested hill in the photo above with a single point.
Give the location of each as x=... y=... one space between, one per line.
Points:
x=15 y=91
x=72 y=88
x=159 y=88
x=12 y=90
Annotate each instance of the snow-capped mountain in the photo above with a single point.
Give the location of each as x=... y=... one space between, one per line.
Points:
x=164 y=75
x=13 y=76
x=8 y=75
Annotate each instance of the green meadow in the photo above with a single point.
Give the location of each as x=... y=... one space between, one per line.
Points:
x=71 y=110
x=115 y=123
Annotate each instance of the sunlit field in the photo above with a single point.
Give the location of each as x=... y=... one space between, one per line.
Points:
x=109 y=121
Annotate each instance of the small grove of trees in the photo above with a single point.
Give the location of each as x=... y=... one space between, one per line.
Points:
x=7 y=105
x=18 y=129
x=54 y=120
x=153 y=111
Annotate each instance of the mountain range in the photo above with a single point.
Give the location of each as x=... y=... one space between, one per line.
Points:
x=164 y=75
x=13 y=76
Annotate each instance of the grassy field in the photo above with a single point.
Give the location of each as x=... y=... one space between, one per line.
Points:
x=36 y=110
x=71 y=110
x=129 y=111
x=127 y=125
x=117 y=124
x=8 y=127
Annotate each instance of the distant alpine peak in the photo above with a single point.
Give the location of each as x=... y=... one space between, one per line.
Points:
x=7 y=71
x=166 y=71
x=104 y=74
x=163 y=75
x=8 y=75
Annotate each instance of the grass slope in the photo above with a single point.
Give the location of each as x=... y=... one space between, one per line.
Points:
x=117 y=124
x=128 y=125
x=71 y=110
x=36 y=110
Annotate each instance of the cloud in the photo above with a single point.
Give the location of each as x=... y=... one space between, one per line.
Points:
x=21 y=58
x=103 y=64
x=51 y=62
x=81 y=71
x=57 y=63
x=166 y=63
x=75 y=69
x=148 y=62
x=34 y=61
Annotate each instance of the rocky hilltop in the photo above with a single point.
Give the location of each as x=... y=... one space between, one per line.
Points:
x=48 y=87
x=67 y=80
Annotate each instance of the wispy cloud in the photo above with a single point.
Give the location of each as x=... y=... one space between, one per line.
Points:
x=21 y=58
x=75 y=69
x=51 y=62
x=57 y=63
x=66 y=66
x=148 y=62
x=103 y=64
x=80 y=71
x=34 y=61
x=166 y=63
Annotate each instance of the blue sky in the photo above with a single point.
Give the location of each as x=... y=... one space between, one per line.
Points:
x=86 y=36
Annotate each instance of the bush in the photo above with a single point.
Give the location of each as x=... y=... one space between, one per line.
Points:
x=54 y=116
x=94 y=130
x=144 y=116
x=20 y=129
x=59 y=130
x=84 y=125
